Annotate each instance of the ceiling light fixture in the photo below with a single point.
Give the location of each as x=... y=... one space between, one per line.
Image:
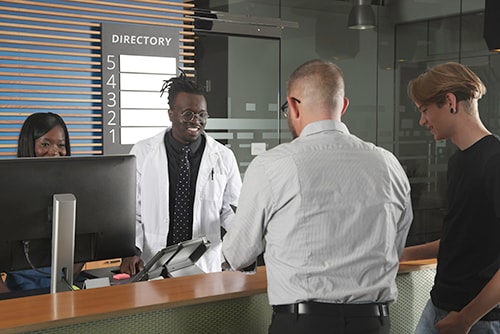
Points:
x=491 y=25
x=361 y=16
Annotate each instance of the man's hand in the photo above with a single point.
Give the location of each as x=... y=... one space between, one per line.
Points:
x=453 y=323
x=131 y=265
x=3 y=287
x=226 y=267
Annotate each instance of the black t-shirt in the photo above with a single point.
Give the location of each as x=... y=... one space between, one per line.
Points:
x=469 y=252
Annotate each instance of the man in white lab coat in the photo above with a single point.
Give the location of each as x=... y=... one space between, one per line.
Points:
x=213 y=186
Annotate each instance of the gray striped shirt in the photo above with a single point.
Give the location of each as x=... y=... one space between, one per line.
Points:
x=332 y=213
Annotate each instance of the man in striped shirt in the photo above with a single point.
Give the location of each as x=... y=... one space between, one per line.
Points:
x=330 y=212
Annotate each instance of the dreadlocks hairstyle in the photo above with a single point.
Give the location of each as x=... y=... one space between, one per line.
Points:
x=180 y=84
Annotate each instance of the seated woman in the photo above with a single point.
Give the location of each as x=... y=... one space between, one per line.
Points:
x=42 y=135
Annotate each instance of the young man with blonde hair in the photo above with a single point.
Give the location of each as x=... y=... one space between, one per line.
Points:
x=466 y=291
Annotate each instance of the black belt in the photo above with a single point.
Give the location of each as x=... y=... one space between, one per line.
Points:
x=338 y=310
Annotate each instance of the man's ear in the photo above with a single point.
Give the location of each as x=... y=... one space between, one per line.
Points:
x=292 y=108
x=451 y=99
x=344 y=107
x=170 y=114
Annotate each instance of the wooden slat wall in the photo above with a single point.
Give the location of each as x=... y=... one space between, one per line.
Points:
x=50 y=60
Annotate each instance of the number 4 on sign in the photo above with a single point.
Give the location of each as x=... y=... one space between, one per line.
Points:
x=111 y=81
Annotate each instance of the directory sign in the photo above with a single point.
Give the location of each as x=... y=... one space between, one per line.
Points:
x=136 y=59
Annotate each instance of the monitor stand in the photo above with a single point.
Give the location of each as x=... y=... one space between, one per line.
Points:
x=63 y=241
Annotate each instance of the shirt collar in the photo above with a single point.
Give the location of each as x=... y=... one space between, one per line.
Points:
x=194 y=146
x=326 y=125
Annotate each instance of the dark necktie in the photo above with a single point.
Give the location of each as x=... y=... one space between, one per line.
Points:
x=181 y=230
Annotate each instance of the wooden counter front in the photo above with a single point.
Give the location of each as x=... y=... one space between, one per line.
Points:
x=49 y=310
x=170 y=302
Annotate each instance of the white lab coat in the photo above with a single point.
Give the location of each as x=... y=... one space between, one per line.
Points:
x=218 y=185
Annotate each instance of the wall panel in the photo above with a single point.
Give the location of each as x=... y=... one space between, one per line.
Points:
x=50 y=60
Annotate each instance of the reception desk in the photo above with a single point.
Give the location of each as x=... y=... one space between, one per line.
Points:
x=226 y=302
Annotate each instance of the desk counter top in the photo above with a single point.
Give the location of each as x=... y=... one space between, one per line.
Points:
x=49 y=310
x=415 y=265
x=63 y=308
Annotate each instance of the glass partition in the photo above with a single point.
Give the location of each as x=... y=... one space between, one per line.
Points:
x=456 y=35
x=377 y=64
x=241 y=78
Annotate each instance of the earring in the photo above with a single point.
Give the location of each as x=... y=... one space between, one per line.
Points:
x=452 y=111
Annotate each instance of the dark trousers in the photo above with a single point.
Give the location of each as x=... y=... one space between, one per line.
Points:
x=283 y=323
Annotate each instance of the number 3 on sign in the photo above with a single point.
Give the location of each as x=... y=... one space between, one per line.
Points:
x=111 y=100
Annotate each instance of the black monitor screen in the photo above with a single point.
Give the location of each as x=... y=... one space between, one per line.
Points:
x=104 y=187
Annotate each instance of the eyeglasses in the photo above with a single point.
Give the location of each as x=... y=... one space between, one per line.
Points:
x=284 y=106
x=189 y=115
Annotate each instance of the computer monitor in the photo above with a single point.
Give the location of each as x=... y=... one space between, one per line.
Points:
x=103 y=189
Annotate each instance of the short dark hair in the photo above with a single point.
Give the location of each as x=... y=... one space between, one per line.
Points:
x=35 y=126
x=180 y=84
x=322 y=78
